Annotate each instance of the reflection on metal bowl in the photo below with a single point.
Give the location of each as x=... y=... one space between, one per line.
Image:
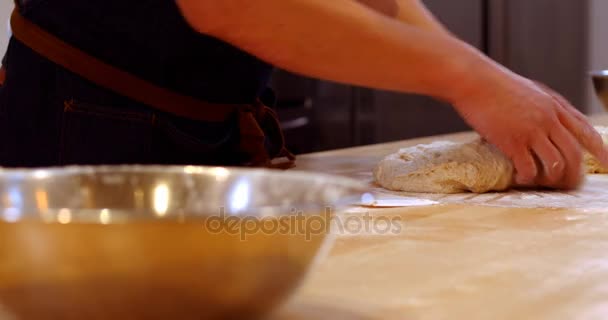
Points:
x=600 y=84
x=159 y=242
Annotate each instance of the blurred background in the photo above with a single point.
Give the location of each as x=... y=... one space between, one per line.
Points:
x=556 y=42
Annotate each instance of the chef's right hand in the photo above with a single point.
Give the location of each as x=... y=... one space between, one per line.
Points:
x=540 y=131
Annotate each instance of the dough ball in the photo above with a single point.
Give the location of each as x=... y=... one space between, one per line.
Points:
x=446 y=167
x=450 y=167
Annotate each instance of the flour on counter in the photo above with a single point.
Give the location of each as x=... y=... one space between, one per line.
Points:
x=593 y=194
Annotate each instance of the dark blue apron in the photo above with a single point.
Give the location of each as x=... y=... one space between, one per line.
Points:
x=49 y=116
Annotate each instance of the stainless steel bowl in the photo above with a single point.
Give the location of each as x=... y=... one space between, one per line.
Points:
x=600 y=84
x=159 y=242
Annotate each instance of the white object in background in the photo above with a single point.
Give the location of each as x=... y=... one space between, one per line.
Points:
x=387 y=201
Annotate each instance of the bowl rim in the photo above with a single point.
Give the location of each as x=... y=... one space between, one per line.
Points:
x=354 y=187
x=44 y=172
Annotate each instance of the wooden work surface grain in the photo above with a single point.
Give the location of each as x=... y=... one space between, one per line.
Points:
x=455 y=261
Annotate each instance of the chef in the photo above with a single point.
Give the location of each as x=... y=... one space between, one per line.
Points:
x=174 y=82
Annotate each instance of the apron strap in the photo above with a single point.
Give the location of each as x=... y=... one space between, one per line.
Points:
x=2 y=75
x=256 y=121
x=115 y=79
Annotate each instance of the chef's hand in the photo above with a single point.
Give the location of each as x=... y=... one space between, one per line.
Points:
x=539 y=130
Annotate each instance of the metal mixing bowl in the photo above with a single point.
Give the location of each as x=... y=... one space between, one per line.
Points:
x=600 y=84
x=159 y=242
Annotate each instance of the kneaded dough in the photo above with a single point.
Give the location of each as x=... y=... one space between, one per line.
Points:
x=450 y=167
x=446 y=167
x=591 y=163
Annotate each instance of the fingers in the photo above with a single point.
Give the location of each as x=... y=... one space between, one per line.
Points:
x=552 y=163
x=575 y=122
x=558 y=150
x=571 y=150
x=525 y=167
x=586 y=135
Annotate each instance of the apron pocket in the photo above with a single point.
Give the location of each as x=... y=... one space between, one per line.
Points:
x=184 y=141
x=96 y=134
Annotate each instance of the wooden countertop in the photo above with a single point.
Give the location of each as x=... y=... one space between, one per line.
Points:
x=456 y=261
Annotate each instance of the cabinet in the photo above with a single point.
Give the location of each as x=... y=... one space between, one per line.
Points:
x=544 y=40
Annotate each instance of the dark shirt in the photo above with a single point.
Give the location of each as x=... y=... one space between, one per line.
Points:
x=49 y=116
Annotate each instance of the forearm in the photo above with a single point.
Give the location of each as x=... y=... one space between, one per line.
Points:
x=343 y=41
